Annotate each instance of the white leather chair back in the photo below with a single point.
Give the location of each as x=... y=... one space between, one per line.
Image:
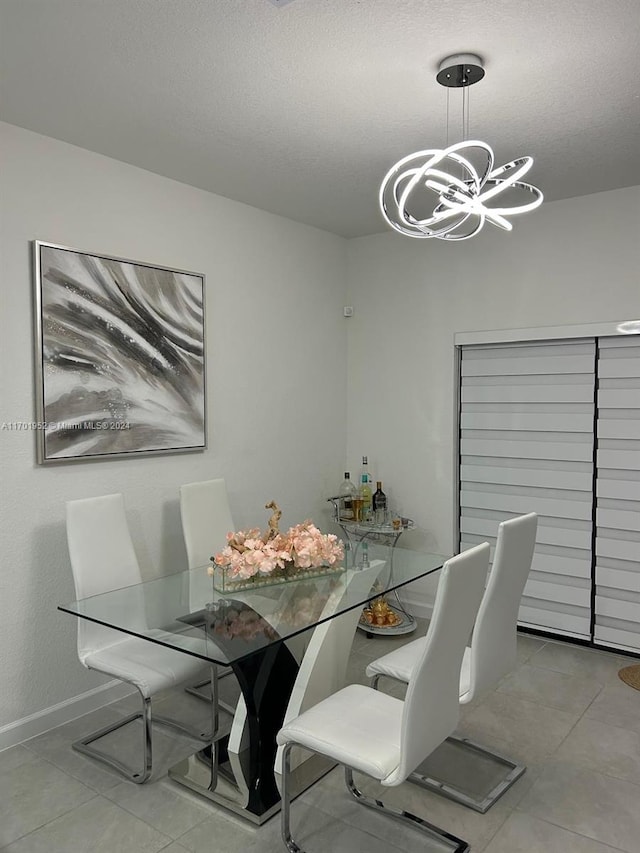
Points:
x=102 y=559
x=494 y=641
x=324 y=666
x=206 y=519
x=431 y=707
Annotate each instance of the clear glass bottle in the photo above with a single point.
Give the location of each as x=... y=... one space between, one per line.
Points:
x=347 y=492
x=365 y=491
x=379 y=502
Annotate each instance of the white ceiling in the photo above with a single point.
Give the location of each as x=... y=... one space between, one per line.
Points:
x=301 y=109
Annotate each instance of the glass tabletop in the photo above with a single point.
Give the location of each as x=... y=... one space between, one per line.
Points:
x=184 y=612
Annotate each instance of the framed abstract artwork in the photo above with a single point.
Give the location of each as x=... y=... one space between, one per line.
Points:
x=119 y=357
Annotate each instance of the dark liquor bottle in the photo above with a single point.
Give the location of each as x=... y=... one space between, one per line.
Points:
x=379 y=501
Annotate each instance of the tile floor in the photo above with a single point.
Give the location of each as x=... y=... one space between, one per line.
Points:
x=563 y=712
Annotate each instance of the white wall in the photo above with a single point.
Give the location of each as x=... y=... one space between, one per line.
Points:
x=276 y=377
x=277 y=364
x=573 y=261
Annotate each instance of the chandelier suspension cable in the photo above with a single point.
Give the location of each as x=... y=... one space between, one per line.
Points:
x=447 y=118
x=467 y=92
x=464 y=190
x=464 y=99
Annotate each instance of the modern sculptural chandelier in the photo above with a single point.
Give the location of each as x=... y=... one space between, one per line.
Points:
x=462 y=177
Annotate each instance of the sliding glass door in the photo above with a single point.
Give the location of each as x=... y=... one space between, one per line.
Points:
x=526 y=445
x=553 y=426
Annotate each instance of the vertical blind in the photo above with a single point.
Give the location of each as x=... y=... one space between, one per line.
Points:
x=526 y=445
x=617 y=575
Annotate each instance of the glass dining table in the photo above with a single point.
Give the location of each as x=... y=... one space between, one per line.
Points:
x=260 y=634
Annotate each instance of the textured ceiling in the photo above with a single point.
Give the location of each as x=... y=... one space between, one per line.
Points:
x=301 y=109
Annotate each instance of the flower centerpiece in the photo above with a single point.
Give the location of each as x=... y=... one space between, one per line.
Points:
x=251 y=558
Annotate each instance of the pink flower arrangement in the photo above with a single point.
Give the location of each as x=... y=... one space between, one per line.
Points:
x=243 y=623
x=248 y=554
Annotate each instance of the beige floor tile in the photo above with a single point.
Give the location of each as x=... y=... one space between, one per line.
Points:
x=579 y=661
x=34 y=793
x=617 y=704
x=522 y=833
x=603 y=748
x=527 y=646
x=166 y=806
x=529 y=731
x=14 y=757
x=224 y=832
x=357 y=829
x=98 y=826
x=553 y=689
x=591 y=804
x=582 y=803
x=55 y=747
x=475 y=828
x=330 y=796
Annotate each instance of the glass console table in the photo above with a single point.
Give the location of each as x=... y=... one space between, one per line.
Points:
x=386 y=615
x=251 y=632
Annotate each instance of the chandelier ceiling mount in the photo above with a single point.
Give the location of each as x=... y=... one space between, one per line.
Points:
x=462 y=176
x=461 y=69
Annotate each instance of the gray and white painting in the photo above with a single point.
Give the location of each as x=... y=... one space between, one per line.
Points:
x=122 y=356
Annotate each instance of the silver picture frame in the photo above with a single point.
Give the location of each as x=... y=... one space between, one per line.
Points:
x=119 y=357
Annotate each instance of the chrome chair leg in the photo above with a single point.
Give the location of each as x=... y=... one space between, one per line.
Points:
x=139 y=777
x=84 y=745
x=285 y=801
x=215 y=718
x=195 y=689
x=482 y=804
x=457 y=844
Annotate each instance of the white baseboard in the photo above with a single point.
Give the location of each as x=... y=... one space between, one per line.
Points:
x=42 y=721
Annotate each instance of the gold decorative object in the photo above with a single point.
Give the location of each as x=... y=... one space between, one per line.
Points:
x=379 y=614
x=273 y=530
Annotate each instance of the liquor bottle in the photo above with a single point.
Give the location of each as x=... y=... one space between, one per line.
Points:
x=379 y=502
x=365 y=491
x=347 y=492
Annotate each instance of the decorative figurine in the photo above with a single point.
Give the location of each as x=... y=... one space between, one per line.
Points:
x=273 y=529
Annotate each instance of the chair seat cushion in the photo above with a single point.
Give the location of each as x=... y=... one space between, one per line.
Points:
x=400 y=663
x=149 y=666
x=356 y=726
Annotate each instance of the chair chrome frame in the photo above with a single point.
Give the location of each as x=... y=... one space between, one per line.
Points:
x=492 y=652
x=196 y=689
x=212 y=496
x=457 y=844
x=514 y=772
x=139 y=777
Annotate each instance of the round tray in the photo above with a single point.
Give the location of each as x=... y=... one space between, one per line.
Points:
x=407 y=625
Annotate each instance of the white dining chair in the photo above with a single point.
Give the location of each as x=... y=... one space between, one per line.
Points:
x=385 y=738
x=324 y=665
x=323 y=662
x=491 y=655
x=206 y=519
x=103 y=559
